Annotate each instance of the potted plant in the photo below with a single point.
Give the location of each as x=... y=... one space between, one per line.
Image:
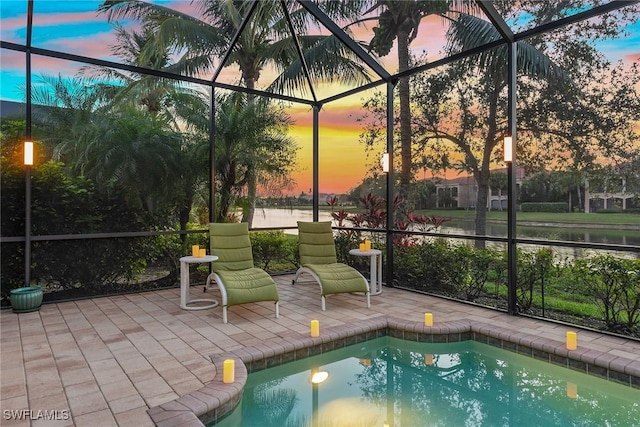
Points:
x=25 y=300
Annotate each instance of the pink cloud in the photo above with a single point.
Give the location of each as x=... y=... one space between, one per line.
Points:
x=13 y=60
x=96 y=46
x=43 y=65
x=11 y=26
x=632 y=57
x=183 y=7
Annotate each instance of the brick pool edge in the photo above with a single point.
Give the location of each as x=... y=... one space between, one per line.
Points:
x=215 y=400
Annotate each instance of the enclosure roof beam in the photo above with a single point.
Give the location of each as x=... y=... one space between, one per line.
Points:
x=305 y=67
x=103 y=63
x=497 y=20
x=588 y=14
x=264 y=93
x=234 y=40
x=312 y=8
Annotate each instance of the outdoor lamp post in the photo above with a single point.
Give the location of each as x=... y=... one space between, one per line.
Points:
x=28 y=163
x=509 y=150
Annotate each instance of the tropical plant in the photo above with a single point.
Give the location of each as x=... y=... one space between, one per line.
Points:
x=100 y=133
x=399 y=20
x=181 y=108
x=251 y=138
x=266 y=41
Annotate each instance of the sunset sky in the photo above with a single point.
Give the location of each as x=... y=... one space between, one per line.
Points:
x=75 y=27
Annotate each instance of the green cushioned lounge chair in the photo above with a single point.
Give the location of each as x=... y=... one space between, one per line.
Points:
x=318 y=258
x=240 y=282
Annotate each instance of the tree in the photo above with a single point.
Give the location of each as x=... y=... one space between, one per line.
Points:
x=183 y=108
x=119 y=147
x=463 y=107
x=400 y=20
x=250 y=139
x=266 y=41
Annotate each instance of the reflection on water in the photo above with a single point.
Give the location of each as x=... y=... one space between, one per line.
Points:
x=406 y=384
x=272 y=217
x=287 y=218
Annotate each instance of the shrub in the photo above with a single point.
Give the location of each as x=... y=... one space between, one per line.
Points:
x=614 y=283
x=271 y=249
x=424 y=266
x=533 y=267
x=72 y=205
x=555 y=207
x=469 y=269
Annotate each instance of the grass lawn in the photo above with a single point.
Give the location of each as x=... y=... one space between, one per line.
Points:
x=545 y=217
x=572 y=218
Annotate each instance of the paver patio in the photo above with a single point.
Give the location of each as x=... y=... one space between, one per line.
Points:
x=106 y=361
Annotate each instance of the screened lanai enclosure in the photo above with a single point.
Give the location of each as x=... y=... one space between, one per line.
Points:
x=490 y=149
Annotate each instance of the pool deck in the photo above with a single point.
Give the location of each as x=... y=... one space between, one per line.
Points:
x=140 y=360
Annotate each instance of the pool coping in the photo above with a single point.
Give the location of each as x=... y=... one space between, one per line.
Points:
x=217 y=399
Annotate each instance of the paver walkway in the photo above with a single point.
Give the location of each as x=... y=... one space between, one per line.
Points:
x=105 y=361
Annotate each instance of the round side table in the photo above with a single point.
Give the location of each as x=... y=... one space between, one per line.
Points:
x=185 y=298
x=375 y=265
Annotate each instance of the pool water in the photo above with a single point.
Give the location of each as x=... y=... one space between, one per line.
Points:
x=388 y=381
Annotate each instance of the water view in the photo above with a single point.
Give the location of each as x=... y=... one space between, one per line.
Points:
x=272 y=217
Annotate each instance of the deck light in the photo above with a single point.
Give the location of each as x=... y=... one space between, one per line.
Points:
x=228 y=371
x=572 y=340
x=315 y=328
x=428 y=319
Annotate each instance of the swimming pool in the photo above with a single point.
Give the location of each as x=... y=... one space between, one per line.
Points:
x=389 y=381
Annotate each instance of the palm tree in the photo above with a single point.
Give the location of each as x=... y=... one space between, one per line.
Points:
x=119 y=147
x=248 y=133
x=181 y=109
x=400 y=20
x=183 y=104
x=265 y=41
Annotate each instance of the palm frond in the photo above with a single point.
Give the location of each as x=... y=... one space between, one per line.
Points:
x=470 y=32
x=328 y=59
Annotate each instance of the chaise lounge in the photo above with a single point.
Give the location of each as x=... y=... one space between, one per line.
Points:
x=318 y=258
x=240 y=282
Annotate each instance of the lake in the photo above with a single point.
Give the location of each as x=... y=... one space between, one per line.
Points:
x=272 y=217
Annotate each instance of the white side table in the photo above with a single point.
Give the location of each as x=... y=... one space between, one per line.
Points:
x=185 y=298
x=375 y=265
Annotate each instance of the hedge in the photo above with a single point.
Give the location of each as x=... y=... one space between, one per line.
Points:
x=554 y=207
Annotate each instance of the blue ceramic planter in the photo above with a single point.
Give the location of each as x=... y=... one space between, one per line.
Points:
x=25 y=300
